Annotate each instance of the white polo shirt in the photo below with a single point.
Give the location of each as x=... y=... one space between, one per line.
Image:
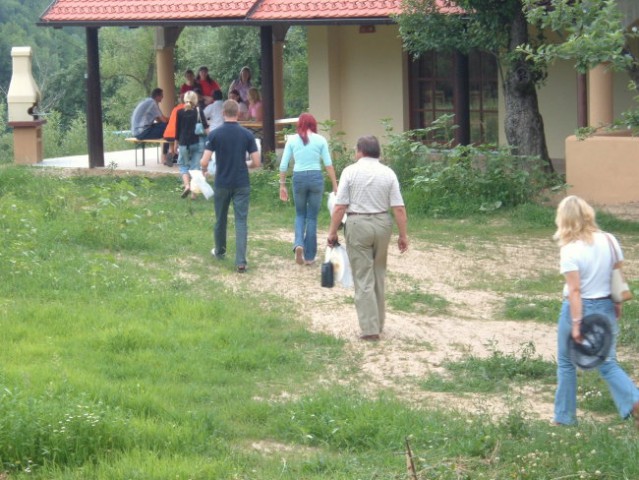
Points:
x=368 y=186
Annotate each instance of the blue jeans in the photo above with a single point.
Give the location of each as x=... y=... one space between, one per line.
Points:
x=308 y=188
x=624 y=392
x=190 y=156
x=222 y=198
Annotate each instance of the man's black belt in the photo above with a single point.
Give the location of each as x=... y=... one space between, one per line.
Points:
x=360 y=213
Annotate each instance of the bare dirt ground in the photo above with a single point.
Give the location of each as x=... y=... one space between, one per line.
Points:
x=415 y=345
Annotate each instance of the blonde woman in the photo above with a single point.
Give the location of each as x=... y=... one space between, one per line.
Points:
x=190 y=144
x=254 y=105
x=586 y=261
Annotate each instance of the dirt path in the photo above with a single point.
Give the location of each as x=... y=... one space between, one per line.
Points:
x=415 y=345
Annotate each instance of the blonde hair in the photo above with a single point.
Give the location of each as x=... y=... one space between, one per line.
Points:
x=254 y=94
x=190 y=100
x=575 y=220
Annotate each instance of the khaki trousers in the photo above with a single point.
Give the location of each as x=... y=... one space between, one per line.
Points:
x=367 y=239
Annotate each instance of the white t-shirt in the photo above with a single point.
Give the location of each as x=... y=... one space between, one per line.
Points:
x=593 y=262
x=214 y=114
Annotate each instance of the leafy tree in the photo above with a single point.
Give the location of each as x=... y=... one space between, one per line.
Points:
x=591 y=33
x=295 y=72
x=127 y=74
x=57 y=55
x=495 y=26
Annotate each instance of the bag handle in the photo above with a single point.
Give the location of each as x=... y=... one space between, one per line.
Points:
x=613 y=250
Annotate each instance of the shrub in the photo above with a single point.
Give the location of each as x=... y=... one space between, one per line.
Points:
x=6 y=142
x=341 y=154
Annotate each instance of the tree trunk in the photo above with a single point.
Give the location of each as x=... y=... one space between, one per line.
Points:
x=524 y=125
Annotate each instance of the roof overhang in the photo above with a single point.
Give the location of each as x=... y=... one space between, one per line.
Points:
x=180 y=13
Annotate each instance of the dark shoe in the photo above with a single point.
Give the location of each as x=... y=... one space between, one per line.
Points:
x=170 y=158
x=369 y=338
x=241 y=269
x=299 y=255
x=185 y=192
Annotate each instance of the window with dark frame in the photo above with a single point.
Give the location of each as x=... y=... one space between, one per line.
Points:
x=431 y=93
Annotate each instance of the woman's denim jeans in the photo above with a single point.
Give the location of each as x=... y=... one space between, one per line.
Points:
x=308 y=188
x=190 y=156
x=623 y=390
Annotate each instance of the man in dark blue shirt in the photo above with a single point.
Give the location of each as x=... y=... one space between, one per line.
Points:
x=231 y=143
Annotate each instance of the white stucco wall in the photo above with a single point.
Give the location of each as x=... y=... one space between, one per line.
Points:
x=558 y=104
x=357 y=79
x=365 y=80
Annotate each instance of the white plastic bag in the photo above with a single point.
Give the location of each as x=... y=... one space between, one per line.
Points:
x=342 y=272
x=332 y=198
x=199 y=184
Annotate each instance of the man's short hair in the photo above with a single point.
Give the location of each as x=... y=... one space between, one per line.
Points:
x=230 y=108
x=369 y=146
x=217 y=95
x=157 y=92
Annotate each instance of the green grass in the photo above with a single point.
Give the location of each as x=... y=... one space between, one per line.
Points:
x=416 y=301
x=530 y=308
x=124 y=353
x=492 y=374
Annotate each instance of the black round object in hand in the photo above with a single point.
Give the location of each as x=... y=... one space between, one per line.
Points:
x=595 y=346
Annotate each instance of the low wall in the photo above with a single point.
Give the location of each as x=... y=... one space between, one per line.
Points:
x=604 y=168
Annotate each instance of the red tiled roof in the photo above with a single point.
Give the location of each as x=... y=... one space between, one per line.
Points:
x=130 y=12
x=298 y=9
x=144 y=10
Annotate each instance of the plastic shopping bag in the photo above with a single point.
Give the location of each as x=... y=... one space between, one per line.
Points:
x=199 y=184
x=342 y=272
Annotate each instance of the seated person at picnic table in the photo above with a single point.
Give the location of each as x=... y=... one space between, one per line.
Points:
x=207 y=84
x=242 y=83
x=255 y=105
x=213 y=112
x=243 y=108
x=189 y=83
x=148 y=121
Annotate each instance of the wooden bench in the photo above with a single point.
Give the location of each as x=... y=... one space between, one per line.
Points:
x=158 y=142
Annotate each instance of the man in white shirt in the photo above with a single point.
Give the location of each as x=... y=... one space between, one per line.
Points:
x=367 y=191
x=214 y=112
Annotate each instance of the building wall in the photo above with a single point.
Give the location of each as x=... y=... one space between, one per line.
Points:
x=357 y=79
x=364 y=83
x=558 y=104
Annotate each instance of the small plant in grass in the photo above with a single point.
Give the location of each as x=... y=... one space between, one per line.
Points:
x=492 y=374
x=540 y=309
x=113 y=208
x=417 y=301
x=41 y=430
x=629 y=323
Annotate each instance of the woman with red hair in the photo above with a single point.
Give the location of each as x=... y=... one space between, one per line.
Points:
x=309 y=150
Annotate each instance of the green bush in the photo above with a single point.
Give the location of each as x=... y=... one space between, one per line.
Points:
x=341 y=155
x=6 y=137
x=466 y=180
x=438 y=179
